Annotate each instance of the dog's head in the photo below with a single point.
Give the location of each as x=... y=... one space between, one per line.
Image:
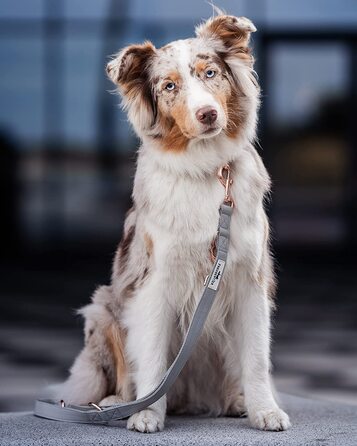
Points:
x=191 y=89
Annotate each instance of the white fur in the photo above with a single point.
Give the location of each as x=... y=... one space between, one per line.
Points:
x=198 y=96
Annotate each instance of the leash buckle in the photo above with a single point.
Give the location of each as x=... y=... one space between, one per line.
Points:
x=224 y=176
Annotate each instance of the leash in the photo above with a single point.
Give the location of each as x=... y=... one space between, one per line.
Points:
x=95 y=414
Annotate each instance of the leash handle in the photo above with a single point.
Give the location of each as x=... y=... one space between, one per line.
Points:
x=54 y=410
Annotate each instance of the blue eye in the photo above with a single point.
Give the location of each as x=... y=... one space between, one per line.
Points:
x=170 y=86
x=210 y=73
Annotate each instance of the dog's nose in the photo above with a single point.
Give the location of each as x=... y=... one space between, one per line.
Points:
x=206 y=115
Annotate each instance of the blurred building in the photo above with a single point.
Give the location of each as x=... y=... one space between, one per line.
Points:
x=74 y=150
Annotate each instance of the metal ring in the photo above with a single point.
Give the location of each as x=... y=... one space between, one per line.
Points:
x=96 y=406
x=229 y=202
x=222 y=177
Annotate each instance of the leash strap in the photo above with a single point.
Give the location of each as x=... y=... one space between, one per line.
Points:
x=53 y=410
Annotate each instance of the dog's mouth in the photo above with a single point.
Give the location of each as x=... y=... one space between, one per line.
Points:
x=210 y=132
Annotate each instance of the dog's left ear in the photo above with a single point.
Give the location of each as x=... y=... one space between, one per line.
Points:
x=232 y=32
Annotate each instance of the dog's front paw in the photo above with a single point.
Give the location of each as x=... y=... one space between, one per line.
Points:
x=270 y=419
x=146 y=421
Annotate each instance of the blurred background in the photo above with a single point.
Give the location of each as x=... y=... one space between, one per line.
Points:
x=67 y=158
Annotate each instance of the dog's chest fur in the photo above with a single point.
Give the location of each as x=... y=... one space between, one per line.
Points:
x=183 y=211
x=179 y=213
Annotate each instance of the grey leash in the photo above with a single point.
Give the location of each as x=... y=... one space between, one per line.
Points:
x=86 y=414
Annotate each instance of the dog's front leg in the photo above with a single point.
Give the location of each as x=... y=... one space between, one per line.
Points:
x=148 y=318
x=253 y=339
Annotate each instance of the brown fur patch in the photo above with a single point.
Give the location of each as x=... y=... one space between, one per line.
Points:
x=170 y=137
x=149 y=245
x=218 y=59
x=222 y=98
x=225 y=27
x=181 y=116
x=213 y=250
x=134 y=63
x=124 y=247
x=129 y=289
x=174 y=76
x=145 y=274
x=234 y=38
x=203 y=56
x=235 y=115
x=174 y=140
x=115 y=338
x=200 y=66
x=133 y=76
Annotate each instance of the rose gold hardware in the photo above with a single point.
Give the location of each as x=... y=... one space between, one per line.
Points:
x=224 y=176
x=96 y=406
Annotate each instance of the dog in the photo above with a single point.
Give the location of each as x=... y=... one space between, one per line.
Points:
x=193 y=103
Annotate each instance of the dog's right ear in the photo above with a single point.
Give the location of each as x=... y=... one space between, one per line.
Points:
x=130 y=71
x=130 y=64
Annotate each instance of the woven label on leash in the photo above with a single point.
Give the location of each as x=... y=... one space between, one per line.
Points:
x=216 y=275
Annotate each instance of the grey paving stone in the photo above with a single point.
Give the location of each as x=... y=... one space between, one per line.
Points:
x=314 y=423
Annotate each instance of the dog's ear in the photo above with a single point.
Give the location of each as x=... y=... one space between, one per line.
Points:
x=130 y=71
x=232 y=32
x=130 y=64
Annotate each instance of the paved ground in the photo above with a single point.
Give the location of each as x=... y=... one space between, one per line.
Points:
x=314 y=423
x=315 y=328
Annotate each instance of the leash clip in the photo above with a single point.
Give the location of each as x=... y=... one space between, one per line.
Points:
x=224 y=176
